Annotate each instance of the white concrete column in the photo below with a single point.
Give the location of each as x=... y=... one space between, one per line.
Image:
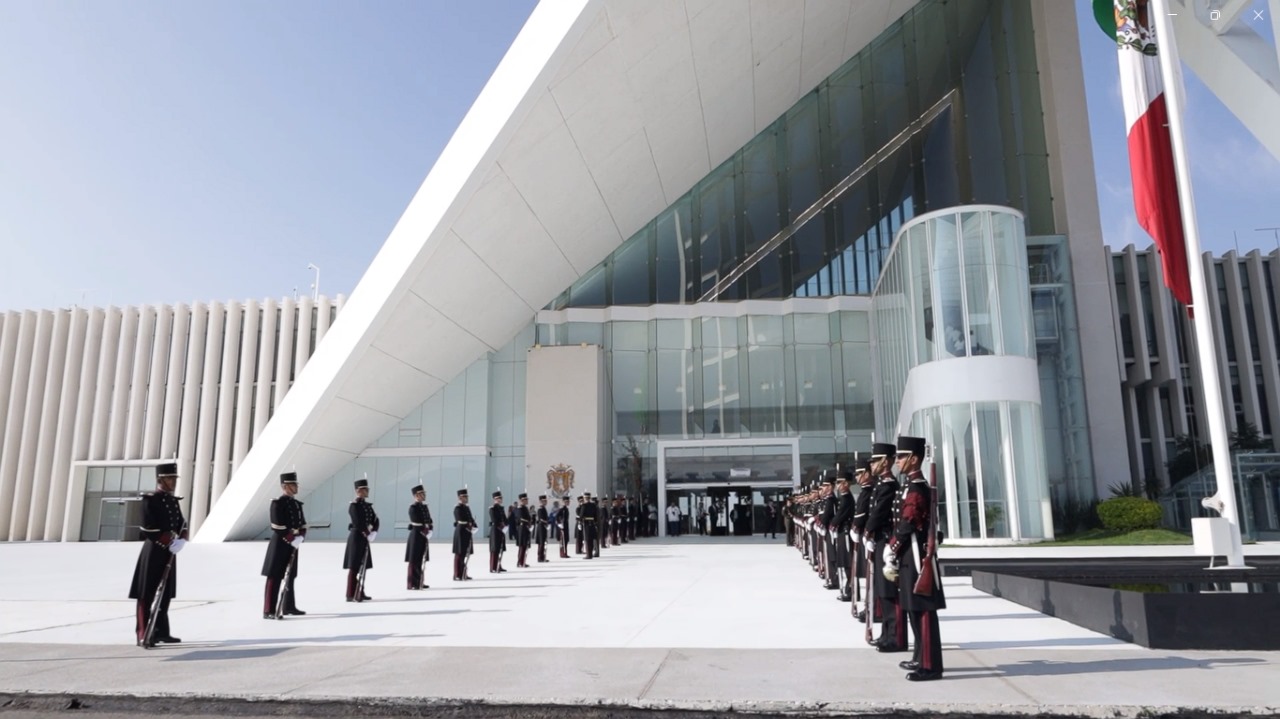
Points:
x=80 y=443
x=138 y=383
x=302 y=351
x=226 y=403
x=110 y=347
x=324 y=308
x=1263 y=313
x=158 y=376
x=1220 y=346
x=284 y=357
x=268 y=346
x=64 y=439
x=169 y=421
x=190 y=416
x=244 y=383
x=55 y=369
x=1240 y=333
x=19 y=387
x=118 y=422
x=12 y=322
x=20 y=508
x=203 y=458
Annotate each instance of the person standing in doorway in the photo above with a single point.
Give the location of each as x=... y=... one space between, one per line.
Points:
x=673 y=519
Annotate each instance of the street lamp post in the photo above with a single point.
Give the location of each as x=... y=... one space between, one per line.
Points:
x=315 y=286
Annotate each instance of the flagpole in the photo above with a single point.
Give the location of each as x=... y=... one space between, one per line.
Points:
x=1224 y=501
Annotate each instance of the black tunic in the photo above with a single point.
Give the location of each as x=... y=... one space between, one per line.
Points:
x=363 y=521
x=524 y=526
x=162 y=522
x=464 y=524
x=878 y=529
x=542 y=530
x=287 y=522
x=417 y=548
x=497 y=523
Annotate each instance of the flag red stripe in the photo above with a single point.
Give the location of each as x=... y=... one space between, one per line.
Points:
x=1155 y=194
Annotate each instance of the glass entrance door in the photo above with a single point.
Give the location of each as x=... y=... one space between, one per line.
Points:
x=723 y=488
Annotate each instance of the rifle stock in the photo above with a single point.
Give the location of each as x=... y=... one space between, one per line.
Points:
x=928 y=579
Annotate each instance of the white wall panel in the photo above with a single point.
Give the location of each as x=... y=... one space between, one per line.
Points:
x=171 y=419
x=226 y=402
x=81 y=441
x=158 y=377
x=55 y=368
x=138 y=382
x=64 y=441
x=324 y=316
x=302 y=352
x=19 y=387
x=193 y=371
x=8 y=356
x=21 y=503
x=266 y=365
x=203 y=456
x=117 y=423
x=244 y=382
x=278 y=377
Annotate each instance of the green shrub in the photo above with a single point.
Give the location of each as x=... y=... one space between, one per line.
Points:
x=1128 y=514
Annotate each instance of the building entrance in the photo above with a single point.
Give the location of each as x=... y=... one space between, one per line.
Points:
x=724 y=488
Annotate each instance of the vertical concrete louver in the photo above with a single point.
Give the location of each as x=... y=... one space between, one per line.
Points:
x=195 y=383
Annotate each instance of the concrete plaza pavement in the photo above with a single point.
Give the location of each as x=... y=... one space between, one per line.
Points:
x=681 y=623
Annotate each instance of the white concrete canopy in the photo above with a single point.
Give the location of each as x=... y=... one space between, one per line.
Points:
x=601 y=114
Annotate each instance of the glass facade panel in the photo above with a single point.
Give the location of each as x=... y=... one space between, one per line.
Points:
x=898 y=98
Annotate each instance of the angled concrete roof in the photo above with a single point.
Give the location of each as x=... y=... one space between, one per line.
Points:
x=601 y=114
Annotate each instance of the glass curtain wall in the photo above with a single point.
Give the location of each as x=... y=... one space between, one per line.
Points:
x=955 y=288
x=942 y=109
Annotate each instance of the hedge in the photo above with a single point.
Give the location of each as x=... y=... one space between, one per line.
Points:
x=1128 y=514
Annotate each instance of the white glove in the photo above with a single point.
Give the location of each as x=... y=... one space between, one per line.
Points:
x=176 y=545
x=373 y=536
x=297 y=541
x=871 y=548
x=429 y=534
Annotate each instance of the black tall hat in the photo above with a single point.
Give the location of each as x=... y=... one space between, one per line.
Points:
x=289 y=478
x=497 y=494
x=523 y=495
x=416 y=488
x=542 y=496
x=168 y=469
x=914 y=445
x=362 y=484
x=462 y=492
x=864 y=465
x=880 y=450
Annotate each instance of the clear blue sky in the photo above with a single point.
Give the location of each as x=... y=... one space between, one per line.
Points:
x=164 y=152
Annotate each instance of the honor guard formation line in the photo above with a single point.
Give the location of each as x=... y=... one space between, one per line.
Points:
x=595 y=524
x=879 y=550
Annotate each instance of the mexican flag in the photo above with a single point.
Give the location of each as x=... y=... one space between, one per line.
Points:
x=1155 y=187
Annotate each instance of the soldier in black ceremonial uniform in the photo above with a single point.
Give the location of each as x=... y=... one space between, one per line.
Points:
x=497 y=537
x=913 y=521
x=893 y=630
x=840 y=525
x=578 y=531
x=826 y=519
x=858 y=535
x=164 y=534
x=361 y=533
x=590 y=525
x=464 y=527
x=288 y=531
x=524 y=530
x=542 y=528
x=602 y=523
x=417 y=552
x=562 y=521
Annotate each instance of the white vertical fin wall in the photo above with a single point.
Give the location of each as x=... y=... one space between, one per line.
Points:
x=153 y=383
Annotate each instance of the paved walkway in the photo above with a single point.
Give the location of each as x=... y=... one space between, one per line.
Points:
x=655 y=623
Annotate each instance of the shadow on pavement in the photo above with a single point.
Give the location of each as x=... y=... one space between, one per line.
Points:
x=1046 y=667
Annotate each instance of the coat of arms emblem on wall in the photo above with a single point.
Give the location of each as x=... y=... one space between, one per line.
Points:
x=560 y=480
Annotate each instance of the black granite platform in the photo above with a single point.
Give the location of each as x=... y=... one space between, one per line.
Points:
x=1175 y=606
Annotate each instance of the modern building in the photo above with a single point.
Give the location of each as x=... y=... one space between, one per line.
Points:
x=699 y=252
